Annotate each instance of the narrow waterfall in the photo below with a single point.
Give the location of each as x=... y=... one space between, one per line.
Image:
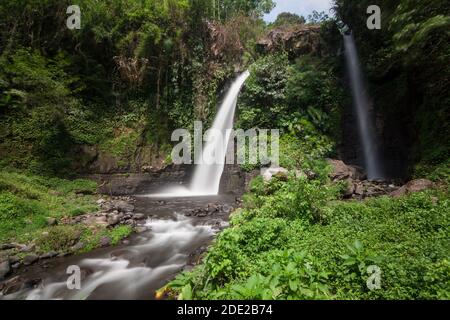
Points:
x=211 y=162
x=361 y=103
x=207 y=175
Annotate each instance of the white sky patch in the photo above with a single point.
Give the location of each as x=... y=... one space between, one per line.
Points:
x=300 y=7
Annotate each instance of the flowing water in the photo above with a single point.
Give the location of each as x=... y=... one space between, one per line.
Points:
x=362 y=105
x=155 y=256
x=135 y=271
x=210 y=164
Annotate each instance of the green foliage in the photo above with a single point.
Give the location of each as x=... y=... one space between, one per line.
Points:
x=262 y=100
x=408 y=73
x=26 y=201
x=287 y=19
x=59 y=239
x=301 y=242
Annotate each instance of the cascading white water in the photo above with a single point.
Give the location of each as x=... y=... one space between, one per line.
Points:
x=207 y=174
x=362 y=105
x=124 y=273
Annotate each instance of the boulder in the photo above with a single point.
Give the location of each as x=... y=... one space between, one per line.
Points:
x=7 y=246
x=78 y=246
x=105 y=241
x=30 y=259
x=342 y=171
x=357 y=173
x=123 y=206
x=269 y=173
x=113 y=220
x=4 y=269
x=412 y=187
x=139 y=216
x=48 y=255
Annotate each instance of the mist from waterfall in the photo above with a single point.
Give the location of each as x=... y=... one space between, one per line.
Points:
x=362 y=106
x=211 y=162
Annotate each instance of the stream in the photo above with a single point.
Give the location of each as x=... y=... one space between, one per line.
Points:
x=173 y=242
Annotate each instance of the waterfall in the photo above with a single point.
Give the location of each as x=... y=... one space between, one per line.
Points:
x=361 y=103
x=211 y=163
x=207 y=175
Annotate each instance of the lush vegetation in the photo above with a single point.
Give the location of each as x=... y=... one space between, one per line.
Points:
x=109 y=95
x=133 y=72
x=297 y=240
x=29 y=203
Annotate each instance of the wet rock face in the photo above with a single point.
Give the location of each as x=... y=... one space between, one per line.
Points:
x=357 y=187
x=120 y=184
x=354 y=177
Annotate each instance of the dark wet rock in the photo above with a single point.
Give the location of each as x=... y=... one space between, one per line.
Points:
x=123 y=206
x=30 y=259
x=130 y=222
x=63 y=254
x=11 y=286
x=7 y=246
x=105 y=241
x=14 y=259
x=226 y=208
x=48 y=255
x=107 y=206
x=31 y=283
x=139 y=216
x=357 y=173
x=16 y=265
x=412 y=187
x=5 y=269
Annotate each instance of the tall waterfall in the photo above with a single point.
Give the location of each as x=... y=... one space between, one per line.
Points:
x=207 y=175
x=210 y=164
x=361 y=102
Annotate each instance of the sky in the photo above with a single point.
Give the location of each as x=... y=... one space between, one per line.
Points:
x=300 y=7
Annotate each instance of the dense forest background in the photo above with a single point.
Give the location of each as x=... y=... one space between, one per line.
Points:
x=106 y=98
